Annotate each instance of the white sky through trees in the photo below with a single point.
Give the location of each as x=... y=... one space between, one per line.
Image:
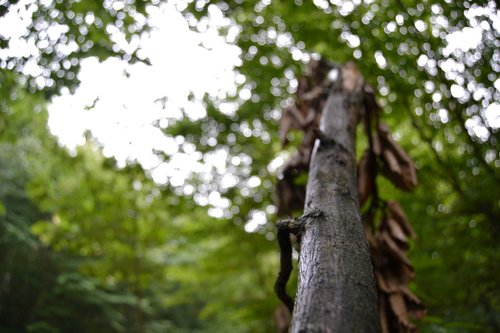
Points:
x=125 y=106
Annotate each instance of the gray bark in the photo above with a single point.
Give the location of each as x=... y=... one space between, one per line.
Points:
x=337 y=291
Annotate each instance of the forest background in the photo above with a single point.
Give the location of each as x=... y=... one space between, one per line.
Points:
x=171 y=227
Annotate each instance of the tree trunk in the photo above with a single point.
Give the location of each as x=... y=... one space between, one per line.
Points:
x=337 y=291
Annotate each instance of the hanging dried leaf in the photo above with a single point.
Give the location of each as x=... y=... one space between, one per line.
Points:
x=289 y=197
x=394 y=249
x=371 y=104
x=396 y=231
x=398 y=167
x=382 y=284
x=396 y=178
x=376 y=145
x=409 y=296
x=292 y=118
x=366 y=177
x=286 y=123
x=398 y=307
x=317 y=70
x=313 y=94
x=384 y=315
x=302 y=87
x=391 y=162
x=415 y=307
x=391 y=274
x=385 y=135
x=398 y=214
x=407 y=273
x=282 y=318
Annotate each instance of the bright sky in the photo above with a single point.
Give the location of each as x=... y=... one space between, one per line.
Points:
x=127 y=109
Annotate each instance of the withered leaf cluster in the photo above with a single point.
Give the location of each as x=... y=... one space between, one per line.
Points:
x=387 y=228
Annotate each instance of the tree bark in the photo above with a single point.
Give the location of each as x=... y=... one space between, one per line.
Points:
x=337 y=291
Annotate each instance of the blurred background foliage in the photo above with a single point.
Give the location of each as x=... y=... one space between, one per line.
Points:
x=90 y=246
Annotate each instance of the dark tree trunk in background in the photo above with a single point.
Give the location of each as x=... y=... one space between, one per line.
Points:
x=337 y=291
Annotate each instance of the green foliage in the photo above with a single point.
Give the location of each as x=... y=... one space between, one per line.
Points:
x=41 y=291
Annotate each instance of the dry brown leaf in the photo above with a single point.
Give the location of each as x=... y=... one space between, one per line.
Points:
x=395 y=178
x=393 y=271
x=383 y=285
x=409 y=176
x=391 y=161
x=310 y=120
x=371 y=104
x=284 y=127
x=394 y=249
x=416 y=310
x=392 y=276
x=366 y=178
x=282 y=318
x=352 y=80
x=302 y=87
x=398 y=307
x=409 y=295
x=289 y=197
x=385 y=135
x=384 y=320
x=376 y=145
x=317 y=70
x=396 y=211
x=408 y=273
x=398 y=173
x=313 y=94
x=396 y=230
x=404 y=176
x=414 y=306
x=287 y=122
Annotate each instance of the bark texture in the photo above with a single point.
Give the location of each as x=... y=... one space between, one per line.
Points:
x=337 y=290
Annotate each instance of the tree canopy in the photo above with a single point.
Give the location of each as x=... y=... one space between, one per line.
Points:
x=88 y=244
